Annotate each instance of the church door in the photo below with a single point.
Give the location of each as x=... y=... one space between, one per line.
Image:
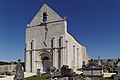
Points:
x=45 y=63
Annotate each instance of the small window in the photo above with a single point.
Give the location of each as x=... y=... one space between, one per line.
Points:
x=45 y=17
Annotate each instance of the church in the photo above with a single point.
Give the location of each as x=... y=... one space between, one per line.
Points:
x=48 y=44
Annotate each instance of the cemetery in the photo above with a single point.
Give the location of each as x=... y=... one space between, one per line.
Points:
x=91 y=71
x=52 y=53
x=94 y=70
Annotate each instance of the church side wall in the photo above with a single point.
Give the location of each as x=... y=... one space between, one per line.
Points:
x=85 y=56
x=76 y=53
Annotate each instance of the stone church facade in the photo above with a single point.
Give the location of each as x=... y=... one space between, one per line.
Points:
x=49 y=44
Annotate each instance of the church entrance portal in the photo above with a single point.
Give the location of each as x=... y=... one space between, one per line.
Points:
x=45 y=63
x=44 y=60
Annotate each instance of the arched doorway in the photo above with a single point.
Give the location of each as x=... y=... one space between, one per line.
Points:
x=44 y=60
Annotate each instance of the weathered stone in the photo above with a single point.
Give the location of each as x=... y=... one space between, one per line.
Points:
x=19 y=75
x=117 y=76
x=93 y=70
x=66 y=71
x=38 y=73
x=5 y=69
x=49 y=44
x=63 y=78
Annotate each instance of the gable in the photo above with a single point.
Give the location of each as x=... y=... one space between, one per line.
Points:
x=51 y=16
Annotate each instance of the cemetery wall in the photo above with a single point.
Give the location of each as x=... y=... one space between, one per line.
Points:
x=7 y=68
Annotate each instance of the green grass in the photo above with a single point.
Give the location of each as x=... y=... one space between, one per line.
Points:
x=43 y=77
x=106 y=79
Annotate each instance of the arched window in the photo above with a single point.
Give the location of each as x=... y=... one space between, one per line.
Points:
x=45 y=17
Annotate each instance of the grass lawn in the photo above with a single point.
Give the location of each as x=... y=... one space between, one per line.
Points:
x=107 y=79
x=43 y=77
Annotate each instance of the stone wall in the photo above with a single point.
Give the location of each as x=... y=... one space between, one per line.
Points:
x=50 y=39
x=76 y=52
x=7 y=69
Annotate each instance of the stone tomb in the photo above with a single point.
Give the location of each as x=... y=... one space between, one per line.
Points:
x=93 y=71
x=65 y=73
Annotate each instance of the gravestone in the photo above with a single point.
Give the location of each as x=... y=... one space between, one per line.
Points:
x=19 y=75
x=38 y=73
x=56 y=73
x=66 y=71
x=118 y=71
x=50 y=71
x=117 y=77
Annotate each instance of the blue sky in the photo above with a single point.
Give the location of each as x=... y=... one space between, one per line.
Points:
x=94 y=23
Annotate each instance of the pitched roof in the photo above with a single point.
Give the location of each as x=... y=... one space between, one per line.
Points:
x=52 y=15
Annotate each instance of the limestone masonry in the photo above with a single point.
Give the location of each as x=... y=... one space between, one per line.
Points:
x=49 y=44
